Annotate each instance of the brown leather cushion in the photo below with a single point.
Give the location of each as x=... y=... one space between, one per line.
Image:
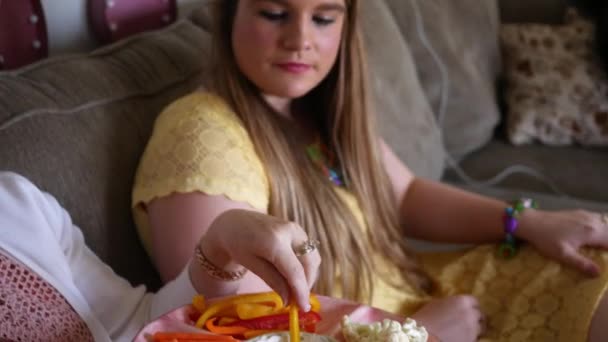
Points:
x=76 y=126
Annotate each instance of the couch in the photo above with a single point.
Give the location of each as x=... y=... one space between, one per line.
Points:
x=77 y=125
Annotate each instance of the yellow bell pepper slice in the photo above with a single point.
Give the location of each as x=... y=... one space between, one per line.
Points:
x=199 y=303
x=294 y=324
x=315 y=305
x=249 y=310
x=214 y=309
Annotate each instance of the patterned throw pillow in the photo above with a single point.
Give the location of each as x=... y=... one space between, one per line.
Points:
x=557 y=91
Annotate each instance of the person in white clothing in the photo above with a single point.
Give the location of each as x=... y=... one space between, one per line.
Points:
x=54 y=288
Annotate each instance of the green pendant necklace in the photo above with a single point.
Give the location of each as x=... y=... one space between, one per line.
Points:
x=325 y=161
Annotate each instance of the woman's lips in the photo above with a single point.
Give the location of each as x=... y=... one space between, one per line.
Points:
x=294 y=68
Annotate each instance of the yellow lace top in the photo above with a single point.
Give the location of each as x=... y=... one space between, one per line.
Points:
x=199 y=144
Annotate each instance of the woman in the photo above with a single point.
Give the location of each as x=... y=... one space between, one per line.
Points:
x=53 y=288
x=284 y=137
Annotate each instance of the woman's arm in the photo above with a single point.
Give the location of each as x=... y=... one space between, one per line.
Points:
x=234 y=236
x=184 y=190
x=438 y=212
x=124 y=310
x=177 y=223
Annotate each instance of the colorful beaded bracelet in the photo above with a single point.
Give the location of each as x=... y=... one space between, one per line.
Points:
x=508 y=248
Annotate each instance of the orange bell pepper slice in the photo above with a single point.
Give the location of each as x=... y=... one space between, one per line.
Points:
x=224 y=330
x=226 y=320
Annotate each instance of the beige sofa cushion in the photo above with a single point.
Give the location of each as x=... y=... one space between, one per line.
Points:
x=405 y=118
x=572 y=170
x=455 y=49
x=76 y=126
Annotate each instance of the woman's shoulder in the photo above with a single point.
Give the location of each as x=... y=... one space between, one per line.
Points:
x=200 y=105
x=202 y=116
x=201 y=98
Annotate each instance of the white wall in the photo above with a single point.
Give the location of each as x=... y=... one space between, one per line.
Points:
x=68 y=27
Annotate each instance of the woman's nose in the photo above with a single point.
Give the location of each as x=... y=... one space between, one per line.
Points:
x=297 y=36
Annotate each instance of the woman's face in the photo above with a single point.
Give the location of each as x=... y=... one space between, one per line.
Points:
x=287 y=47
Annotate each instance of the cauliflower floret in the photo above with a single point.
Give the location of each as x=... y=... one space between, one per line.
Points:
x=385 y=331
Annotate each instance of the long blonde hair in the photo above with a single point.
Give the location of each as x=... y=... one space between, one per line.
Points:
x=298 y=190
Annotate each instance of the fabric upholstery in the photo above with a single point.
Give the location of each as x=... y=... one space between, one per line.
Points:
x=576 y=171
x=455 y=50
x=539 y=11
x=76 y=126
x=557 y=89
x=404 y=116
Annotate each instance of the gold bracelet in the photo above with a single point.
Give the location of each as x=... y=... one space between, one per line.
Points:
x=214 y=271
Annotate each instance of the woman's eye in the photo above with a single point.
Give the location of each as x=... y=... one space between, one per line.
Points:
x=273 y=15
x=323 y=21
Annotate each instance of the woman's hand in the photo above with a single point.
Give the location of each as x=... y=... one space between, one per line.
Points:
x=264 y=245
x=454 y=319
x=561 y=234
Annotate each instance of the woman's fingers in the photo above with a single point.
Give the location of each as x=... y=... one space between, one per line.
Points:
x=308 y=253
x=270 y=274
x=480 y=316
x=601 y=238
x=311 y=262
x=456 y=318
x=282 y=270
x=269 y=247
x=291 y=268
x=592 y=233
x=483 y=324
x=575 y=259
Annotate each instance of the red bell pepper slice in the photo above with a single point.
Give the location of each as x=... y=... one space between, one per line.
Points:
x=308 y=321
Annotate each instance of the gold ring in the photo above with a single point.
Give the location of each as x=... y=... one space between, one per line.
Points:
x=605 y=218
x=306 y=247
